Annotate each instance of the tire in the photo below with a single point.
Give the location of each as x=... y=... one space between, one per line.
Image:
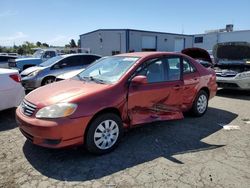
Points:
x=200 y=104
x=104 y=133
x=48 y=80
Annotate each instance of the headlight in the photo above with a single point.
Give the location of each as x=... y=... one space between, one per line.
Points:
x=57 y=110
x=34 y=73
x=243 y=75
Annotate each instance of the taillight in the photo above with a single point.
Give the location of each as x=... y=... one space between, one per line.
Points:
x=15 y=77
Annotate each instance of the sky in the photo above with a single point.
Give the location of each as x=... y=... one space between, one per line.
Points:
x=57 y=21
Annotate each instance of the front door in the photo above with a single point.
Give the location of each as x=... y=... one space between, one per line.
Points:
x=160 y=98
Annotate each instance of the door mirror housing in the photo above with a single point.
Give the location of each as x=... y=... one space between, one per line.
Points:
x=139 y=80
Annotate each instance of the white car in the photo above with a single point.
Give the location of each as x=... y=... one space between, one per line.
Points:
x=232 y=65
x=69 y=74
x=11 y=90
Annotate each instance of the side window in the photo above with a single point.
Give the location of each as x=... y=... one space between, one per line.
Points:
x=52 y=54
x=154 y=71
x=88 y=59
x=188 y=67
x=74 y=61
x=160 y=70
x=174 y=71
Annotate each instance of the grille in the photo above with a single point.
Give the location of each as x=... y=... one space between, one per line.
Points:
x=27 y=108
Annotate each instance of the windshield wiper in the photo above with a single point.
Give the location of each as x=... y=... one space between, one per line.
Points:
x=91 y=78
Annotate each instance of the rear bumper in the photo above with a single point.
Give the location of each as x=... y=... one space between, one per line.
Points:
x=232 y=83
x=55 y=133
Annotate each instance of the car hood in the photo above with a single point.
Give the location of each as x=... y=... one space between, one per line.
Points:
x=31 y=69
x=197 y=53
x=232 y=51
x=70 y=74
x=64 y=91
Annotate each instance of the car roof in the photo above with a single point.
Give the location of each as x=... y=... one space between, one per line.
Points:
x=68 y=55
x=146 y=54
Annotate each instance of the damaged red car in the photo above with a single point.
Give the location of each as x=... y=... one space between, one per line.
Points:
x=112 y=94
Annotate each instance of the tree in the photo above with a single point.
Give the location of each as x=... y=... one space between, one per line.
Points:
x=45 y=45
x=72 y=43
x=38 y=43
x=79 y=43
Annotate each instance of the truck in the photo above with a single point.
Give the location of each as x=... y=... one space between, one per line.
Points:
x=37 y=58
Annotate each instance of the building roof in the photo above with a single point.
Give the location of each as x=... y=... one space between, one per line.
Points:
x=99 y=30
x=146 y=54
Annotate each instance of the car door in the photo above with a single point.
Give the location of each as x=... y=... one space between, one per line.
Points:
x=191 y=80
x=160 y=98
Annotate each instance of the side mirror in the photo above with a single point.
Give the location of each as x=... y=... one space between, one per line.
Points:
x=139 y=80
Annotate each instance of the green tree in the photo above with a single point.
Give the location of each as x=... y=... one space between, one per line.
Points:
x=38 y=43
x=72 y=43
x=45 y=45
x=79 y=43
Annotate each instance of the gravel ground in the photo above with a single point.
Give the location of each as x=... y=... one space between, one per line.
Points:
x=194 y=152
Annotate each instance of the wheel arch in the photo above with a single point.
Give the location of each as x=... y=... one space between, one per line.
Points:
x=49 y=76
x=206 y=90
x=103 y=111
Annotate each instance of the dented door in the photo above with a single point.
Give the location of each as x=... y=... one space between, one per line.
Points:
x=159 y=99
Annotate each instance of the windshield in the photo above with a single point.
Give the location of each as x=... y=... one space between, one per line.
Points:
x=38 y=53
x=108 y=69
x=50 y=61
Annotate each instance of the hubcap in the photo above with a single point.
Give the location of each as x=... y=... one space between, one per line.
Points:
x=106 y=134
x=202 y=104
x=49 y=81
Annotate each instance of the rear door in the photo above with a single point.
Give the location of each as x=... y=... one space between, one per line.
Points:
x=161 y=97
x=191 y=79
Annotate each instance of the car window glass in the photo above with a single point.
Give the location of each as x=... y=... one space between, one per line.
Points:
x=88 y=59
x=74 y=61
x=174 y=72
x=187 y=67
x=154 y=72
x=164 y=69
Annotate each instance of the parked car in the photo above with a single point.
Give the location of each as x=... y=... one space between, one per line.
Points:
x=114 y=93
x=47 y=72
x=11 y=90
x=69 y=74
x=233 y=65
x=4 y=59
x=38 y=57
x=200 y=55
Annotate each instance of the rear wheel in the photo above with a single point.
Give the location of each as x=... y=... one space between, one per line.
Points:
x=200 y=104
x=104 y=133
x=48 y=80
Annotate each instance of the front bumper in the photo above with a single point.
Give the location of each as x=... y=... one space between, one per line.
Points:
x=31 y=82
x=52 y=133
x=232 y=83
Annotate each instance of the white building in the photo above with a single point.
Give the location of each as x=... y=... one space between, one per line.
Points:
x=208 y=40
x=114 y=41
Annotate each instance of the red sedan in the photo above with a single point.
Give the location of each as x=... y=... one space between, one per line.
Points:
x=114 y=93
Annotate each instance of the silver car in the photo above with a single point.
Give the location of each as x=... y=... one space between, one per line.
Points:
x=232 y=65
x=47 y=72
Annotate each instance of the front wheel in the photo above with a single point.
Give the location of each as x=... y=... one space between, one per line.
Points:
x=48 y=80
x=104 y=133
x=200 y=104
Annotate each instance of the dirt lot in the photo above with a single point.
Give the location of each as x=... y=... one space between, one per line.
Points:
x=194 y=152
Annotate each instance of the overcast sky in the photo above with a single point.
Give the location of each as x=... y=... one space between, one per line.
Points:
x=57 y=21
